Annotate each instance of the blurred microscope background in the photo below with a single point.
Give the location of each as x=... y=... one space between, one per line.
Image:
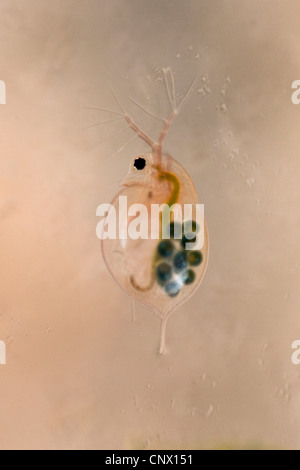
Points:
x=81 y=372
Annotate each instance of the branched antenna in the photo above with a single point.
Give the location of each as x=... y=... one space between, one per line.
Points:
x=187 y=95
x=119 y=150
x=134 y=126
x=155 y=146
x=97 y=108
x=168 y=76
x=146 y=111
x=98 y=124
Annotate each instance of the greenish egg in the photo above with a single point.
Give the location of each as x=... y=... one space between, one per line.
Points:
x=163 y=273
x=165 y=249
x=189 y=277
x=173 y=289
x=195 y=258
x=180 y=261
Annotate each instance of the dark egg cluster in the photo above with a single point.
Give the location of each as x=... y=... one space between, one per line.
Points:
x=174 y=268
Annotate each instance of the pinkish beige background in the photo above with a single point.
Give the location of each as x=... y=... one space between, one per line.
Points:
x=80 y=373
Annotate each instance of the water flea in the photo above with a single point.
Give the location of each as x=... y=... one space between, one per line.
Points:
x=156 y=271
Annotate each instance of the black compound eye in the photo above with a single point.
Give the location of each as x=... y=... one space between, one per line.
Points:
x=139 y=163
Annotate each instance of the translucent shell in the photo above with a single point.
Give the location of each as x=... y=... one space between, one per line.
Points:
x=158 y=273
